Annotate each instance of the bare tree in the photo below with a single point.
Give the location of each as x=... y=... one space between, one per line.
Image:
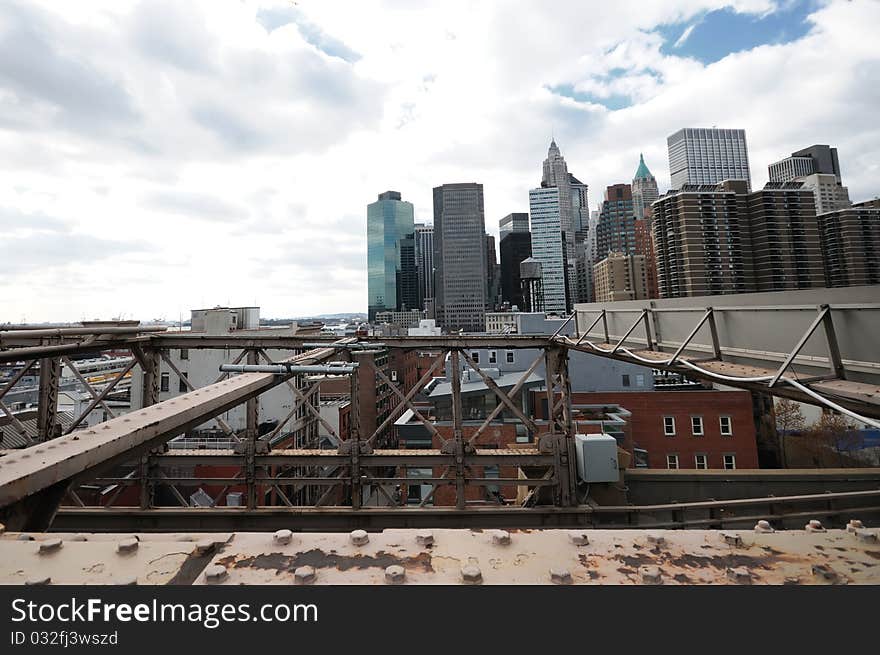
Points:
x=835 y=433
x=788 y=419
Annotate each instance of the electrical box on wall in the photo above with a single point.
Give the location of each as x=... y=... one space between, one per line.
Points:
x=596 y=457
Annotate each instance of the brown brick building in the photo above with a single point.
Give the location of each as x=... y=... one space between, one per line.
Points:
x=851 y=245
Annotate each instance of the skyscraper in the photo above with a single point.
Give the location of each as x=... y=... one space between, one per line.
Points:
x=815 y=159
x=644 y=189
x=708 y=156
x=548 y=246
x=615 y=231
x=424 y=237
x=460 y=257
x=514 y=247
x=493 y=274
x=572 y=221
x=819 y=169
x=391 y=274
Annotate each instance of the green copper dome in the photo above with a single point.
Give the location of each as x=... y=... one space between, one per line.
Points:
x=642 y=173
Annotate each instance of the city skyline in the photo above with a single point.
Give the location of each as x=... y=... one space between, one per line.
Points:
x=128 y=197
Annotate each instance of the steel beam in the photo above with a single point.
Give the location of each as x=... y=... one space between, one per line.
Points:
x=82 y=454
x=47 y=412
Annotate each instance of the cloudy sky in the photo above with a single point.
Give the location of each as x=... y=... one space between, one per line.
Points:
x=159 y=155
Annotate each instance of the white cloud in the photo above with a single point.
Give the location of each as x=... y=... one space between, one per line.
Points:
x=225 y=151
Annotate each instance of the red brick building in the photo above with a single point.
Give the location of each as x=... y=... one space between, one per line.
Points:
x=686 y=429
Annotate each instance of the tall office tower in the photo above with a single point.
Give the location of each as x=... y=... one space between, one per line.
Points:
x=644 y=189
x=621 y=277
x=515 y=246
x=645 y=248
x=615 y=231
x=573 y=211
x=391 y=283
x=460 y=257
x=424 y=236
x=819 y=169
x=549 y=247
x=708 y=156
x=493 y=275
x=699 y=241
x=815 y=159
x=850 y=240
x=784 y=238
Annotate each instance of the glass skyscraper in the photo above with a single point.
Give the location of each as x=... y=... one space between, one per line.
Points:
x=548 y=245
x=392 y=281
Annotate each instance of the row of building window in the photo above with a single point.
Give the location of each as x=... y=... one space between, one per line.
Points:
x=701 y=461
x=725 y=424
x=493 y=357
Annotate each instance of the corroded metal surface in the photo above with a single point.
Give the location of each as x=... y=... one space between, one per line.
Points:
x=103 y=558
x=762 y=556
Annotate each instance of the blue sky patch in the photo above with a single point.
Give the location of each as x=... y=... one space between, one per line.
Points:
x=613 y=101
x=713 y=35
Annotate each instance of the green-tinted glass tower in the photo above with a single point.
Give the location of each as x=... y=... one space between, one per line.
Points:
x=392 y=281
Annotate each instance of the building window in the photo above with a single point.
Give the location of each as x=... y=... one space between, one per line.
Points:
x=697 y=426
x=475 y=356
x=669 y=426
x=726 y=426
x=626 y=380
x=672 y=461
x=184 y=353
x=729 y=462
x=163 y=382
x=182 y=387
x=510 y=358
x=493 y=357
x=640 y=380
x=701 y=461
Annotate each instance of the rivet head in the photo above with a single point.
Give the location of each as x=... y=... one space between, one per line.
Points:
x=24 y=537
x=560 y=575
x=127 y=546
x=424 y=537
x=740 y=575
x=763 y=526
x=50 y=546
x=814 y=526
x=471 y=574
x=79 y=537
x=656 y=538
x=304 y=575
x=501 y=538
x=732 y=539
x=579 y=538
x=282 y=537
x=868 y=536
x=215 y=574
x=359 y=537
x=395 y=574
x=39 y=580
x=204 y=546
x=651 y=574
x=854 y=525
x=128 y=582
